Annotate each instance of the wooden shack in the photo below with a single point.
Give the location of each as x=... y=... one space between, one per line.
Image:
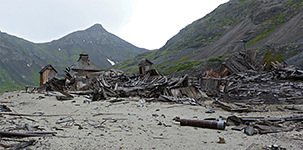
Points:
x=83 y=66
x=145 y=66
x=47 y=73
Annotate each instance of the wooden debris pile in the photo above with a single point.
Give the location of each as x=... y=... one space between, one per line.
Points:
x=148 y=86
x=114 y=83
x=239 y=63
x=103 y=84
x=287 y=72
x=248 y=85
x=281 y=85
x=261 y=125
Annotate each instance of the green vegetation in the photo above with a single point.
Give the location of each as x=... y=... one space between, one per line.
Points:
x=150 y=55
x=297 y=5
x=217 y=59
x=180 y=53
x=36 y=78
x=16 y=53
x=243 y=2
x=126 y=64
x=161 y=65
x=214 y=60
x=260 y=37
x=133 y=70
x=291 y=8
x=182 y=66
x=272 y=56
x=6 y=84
x=200 y=38
x=183 y=59
x=279 y=20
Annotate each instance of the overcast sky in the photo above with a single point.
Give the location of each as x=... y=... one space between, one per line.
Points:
x=144 y=23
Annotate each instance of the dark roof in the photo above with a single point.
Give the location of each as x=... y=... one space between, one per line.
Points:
x=84 y=63
x=145 y=61
x=48 y=67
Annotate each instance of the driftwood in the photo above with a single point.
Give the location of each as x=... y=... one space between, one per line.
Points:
x=33 y=115
x=178 y=100
x=23 y=145
x=101 y=114
x=31 y=134
x=116 y=100
x=115 y=119
x=6 y=102
x=64 y=98
x=28 y=127
x=87 y=92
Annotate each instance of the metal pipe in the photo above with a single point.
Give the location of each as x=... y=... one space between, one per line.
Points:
x=203 y=123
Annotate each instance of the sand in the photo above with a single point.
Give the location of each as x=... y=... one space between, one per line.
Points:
x=131 y=124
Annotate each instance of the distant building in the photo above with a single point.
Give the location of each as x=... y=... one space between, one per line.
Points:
x=47 y=73
x=146 y=66
x=76 y=74
x=83 y=66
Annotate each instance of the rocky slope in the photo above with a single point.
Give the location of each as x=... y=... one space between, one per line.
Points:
x=22 y=60
x=265 y=24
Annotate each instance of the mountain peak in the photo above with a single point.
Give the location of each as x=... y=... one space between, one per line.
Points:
x=96 y=28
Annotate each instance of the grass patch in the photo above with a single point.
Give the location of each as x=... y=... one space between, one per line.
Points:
x=200 y=38
x=6 y=84
x=182 y=66
x=183 y=59
x=272 y=57
x=215 y=60
x=260 y=37
x=133 y=70
x=243 y=3
x=36 y=78
x=297 y=5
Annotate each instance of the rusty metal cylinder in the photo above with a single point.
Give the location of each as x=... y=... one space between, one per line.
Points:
x=203 y=123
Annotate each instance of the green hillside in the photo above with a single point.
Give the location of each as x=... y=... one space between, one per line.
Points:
x=22 y=60
x=206 y=42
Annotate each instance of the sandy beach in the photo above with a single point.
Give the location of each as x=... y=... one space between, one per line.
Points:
x=131 y=123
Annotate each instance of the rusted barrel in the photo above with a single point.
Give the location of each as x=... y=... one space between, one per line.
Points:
x=203 y=123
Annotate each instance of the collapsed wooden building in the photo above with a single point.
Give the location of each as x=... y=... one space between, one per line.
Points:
x=238 y=79
x=77 y=74
x=85 y=76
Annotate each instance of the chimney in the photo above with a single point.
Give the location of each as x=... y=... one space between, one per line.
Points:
x=83 y=57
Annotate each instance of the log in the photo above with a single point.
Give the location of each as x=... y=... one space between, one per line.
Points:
x=5 y=102
x=23 y=145
x=64 y=98
x=33 y=115
x=28 y=127
x=88 y=92
x=32 y=134
x=99 y=114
